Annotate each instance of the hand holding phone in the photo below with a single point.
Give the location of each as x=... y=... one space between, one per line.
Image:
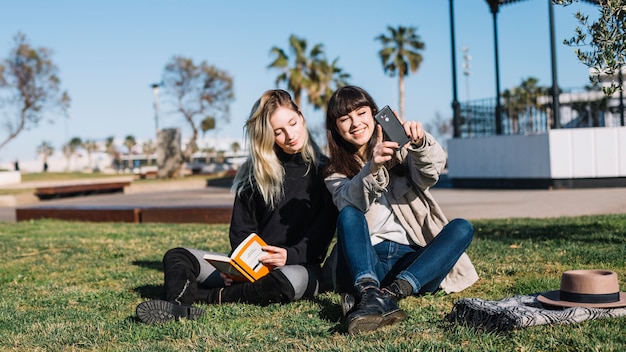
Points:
x=392 y=128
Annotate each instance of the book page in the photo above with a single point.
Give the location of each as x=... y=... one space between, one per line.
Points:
x=247 y=254
x=251 y=256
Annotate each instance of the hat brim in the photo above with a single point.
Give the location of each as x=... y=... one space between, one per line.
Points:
x=553 y=299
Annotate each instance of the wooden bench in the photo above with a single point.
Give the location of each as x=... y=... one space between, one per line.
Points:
x=51 y=192
x=168 y=214
x=85 y=213
x=148 y=175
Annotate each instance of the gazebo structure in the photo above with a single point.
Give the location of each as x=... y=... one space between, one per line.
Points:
x=491 y=148
x=494 y=6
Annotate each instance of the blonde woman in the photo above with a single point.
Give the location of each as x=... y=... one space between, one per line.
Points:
x=280 y=194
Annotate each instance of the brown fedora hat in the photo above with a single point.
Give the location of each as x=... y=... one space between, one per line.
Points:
x=586 y=288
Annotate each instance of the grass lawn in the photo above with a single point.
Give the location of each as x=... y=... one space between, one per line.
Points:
x=74 y=286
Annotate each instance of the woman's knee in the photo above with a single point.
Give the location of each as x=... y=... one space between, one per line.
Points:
x=463 y=230
x=175 y=253
x=300 y=279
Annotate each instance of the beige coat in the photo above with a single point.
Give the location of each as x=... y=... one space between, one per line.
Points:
x=410 y=200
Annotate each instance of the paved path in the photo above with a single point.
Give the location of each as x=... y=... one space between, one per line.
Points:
x=466 y=203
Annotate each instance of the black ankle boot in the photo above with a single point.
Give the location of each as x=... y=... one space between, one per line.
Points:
x=158 y=311
x=272 y=288
x=375 y=309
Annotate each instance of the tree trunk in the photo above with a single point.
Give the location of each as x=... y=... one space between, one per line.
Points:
x=401 y=91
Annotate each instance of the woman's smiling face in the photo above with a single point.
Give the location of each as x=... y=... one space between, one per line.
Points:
x=357 y=127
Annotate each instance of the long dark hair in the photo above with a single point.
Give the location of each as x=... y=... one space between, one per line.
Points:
x=343 y=155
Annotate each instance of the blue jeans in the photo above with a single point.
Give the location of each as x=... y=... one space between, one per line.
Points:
x=423 y=267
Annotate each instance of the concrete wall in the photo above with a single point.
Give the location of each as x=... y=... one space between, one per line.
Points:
x=10 y=178
x=557 y=154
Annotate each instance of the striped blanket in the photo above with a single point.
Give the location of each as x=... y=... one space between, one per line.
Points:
x=520 y=312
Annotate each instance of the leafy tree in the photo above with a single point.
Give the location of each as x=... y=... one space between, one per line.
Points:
x=606 y=39
x=33 y=87
x=197 y=90
x=207 y=124
x=401 y=55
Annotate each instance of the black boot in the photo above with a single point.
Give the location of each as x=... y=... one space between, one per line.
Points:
x=180 y=269
x=399 y=289
x=158 y=311
x=375 y=309
x=272 y=288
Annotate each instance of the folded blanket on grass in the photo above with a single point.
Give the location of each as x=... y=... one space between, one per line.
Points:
x=520 y=312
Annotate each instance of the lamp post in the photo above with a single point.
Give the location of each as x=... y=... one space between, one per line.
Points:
x=155 y=94
x=456 y=109
x=467 y=71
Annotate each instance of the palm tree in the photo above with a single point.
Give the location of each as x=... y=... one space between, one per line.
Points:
x=235 y=147
x=523 y=102
x=113 y=152
x=325 y=79
x=70 y=148
x=296 y=76
x=45 y=149
x=90 y=147
x=401 y=55
x=129 y=143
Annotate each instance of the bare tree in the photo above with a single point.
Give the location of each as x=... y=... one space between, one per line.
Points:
x=45 y=149
x=197 y=92
x=33 y=86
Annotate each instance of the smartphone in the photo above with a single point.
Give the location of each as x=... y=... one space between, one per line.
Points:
x=392 y=128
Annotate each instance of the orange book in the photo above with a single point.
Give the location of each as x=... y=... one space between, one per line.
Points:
x=243 y=263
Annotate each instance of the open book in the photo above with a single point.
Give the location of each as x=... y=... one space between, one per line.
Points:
x=243 y=264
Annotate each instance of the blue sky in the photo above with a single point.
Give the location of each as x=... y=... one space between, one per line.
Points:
x=109 y=52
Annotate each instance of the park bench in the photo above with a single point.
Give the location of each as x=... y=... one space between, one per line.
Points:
x=209 y=214
x=72 y=190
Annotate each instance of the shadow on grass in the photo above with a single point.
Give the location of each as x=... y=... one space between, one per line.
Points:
x=331 y=311
x=150 y=264
x=151 y=291
x=606 y=229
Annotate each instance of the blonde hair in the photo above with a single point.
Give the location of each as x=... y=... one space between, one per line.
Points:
x=263 y=170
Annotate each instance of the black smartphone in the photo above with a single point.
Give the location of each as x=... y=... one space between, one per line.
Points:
x=392 y=128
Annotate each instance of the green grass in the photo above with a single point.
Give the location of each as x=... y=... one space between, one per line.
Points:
x=74 y=286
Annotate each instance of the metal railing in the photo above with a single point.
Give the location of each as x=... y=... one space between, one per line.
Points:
x=578 y=108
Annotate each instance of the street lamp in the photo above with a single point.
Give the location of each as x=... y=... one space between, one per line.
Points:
x=155 y=94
